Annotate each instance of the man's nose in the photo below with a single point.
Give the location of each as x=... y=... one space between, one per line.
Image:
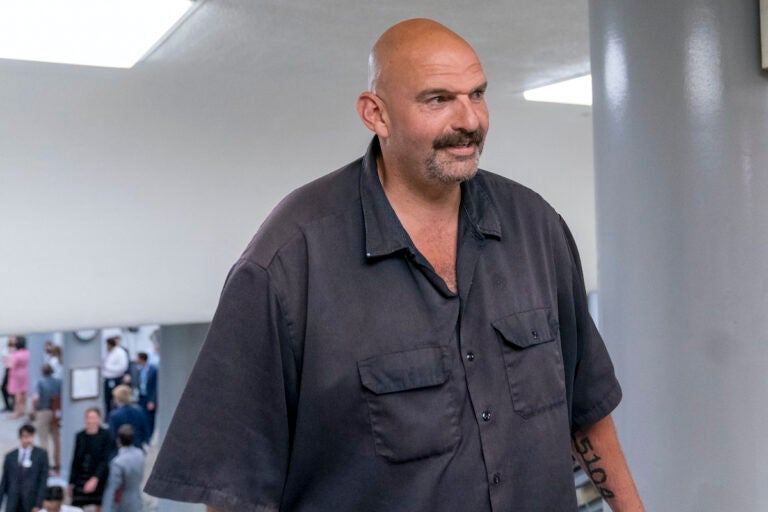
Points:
x=467 y=115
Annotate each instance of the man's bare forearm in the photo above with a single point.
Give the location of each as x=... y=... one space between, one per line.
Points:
x=597 y=449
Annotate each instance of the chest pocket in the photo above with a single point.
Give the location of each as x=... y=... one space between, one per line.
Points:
x=534 y=362
x=413 y=411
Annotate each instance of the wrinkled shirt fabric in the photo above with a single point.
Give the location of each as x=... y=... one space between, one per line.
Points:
x=341 y=374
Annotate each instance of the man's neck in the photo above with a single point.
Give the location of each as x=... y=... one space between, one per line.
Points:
x=429 y=214
x=421 y=200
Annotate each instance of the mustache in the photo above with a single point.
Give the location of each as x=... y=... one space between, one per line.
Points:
x=459 y=138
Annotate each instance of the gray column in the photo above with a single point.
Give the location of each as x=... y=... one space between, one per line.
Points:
x=681 y=161
x=76 y=354
x=179 y=346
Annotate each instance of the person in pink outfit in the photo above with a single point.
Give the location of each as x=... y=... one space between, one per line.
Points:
x=18 y=381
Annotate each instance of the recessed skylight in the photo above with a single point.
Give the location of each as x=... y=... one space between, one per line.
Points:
x=107 y=33
x=577 y=91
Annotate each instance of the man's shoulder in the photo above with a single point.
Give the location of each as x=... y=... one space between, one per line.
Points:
x=129 y=456
x=507 y=193
x=332 y=195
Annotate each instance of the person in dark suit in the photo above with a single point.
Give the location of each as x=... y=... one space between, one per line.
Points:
x=127 y=413
x=146 y=382
x=25 y=473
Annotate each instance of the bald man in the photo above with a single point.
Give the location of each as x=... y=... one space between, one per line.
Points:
x=407 y=333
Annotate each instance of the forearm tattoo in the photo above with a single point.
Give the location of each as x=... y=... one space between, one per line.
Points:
x=590 y=460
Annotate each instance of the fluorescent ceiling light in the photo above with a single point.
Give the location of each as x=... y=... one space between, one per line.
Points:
x=108 y=33
x=577 y=91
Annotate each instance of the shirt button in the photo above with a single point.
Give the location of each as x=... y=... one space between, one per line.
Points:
x=470 y=356
x=486 y=415
x=496 y=478
x=535 y=335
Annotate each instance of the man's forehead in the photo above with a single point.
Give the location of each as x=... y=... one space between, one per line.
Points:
x=448 y=65
x=441 y=69
x=419 y=47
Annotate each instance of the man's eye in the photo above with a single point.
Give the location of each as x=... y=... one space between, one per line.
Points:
x=478 y=95
x=437 y=99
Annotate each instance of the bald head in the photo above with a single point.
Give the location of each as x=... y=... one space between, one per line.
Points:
x=400 y=47
x=426 y=104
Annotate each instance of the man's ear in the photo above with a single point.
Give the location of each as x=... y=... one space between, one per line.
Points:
x=370 y=108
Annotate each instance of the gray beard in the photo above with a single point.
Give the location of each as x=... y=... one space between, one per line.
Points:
x=436 y=170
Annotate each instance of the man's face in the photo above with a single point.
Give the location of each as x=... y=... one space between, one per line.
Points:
x=26 y=439
x=438 y=118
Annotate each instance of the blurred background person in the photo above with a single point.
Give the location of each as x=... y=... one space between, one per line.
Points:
x=125 y=413
x=146 y=379
x=90 y=462
x=128 y=374
x=126 y=471
x=18 y=380
x=25 y=474
x=47 y=351
x=113 y=369
x=54 y=501
x=54 y=359
x=46 y=410
x=7 y=351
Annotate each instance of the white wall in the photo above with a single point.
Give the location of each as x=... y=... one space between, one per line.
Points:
x=130 y=210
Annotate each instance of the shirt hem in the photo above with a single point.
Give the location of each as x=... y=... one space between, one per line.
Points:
x=190 y=493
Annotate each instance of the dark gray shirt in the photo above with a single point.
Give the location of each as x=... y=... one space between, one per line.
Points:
x=341 y=374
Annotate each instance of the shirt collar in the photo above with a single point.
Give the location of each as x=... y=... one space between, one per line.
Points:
x=385 y=235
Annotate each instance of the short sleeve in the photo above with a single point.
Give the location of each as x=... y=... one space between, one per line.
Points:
x=228 y=442
x=594 y=389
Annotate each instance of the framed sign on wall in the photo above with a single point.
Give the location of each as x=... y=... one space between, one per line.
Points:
x=84 y=383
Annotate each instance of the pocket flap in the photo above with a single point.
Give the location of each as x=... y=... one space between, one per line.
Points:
x=526 y=328
x=400 y=371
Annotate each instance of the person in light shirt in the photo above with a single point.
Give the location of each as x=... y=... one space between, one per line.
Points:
x=112 y=369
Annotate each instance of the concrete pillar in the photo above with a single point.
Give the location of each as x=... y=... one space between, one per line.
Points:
x=179 y=346
x=76 y=354
x=681 y=170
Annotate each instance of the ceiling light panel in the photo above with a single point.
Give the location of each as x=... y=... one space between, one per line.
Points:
x=108 y=33
x=577 y=91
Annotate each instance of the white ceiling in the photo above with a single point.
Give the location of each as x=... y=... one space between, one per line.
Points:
x=522 y=43
x=125 y=194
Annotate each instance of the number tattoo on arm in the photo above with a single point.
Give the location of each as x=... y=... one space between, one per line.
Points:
x=590 y=459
